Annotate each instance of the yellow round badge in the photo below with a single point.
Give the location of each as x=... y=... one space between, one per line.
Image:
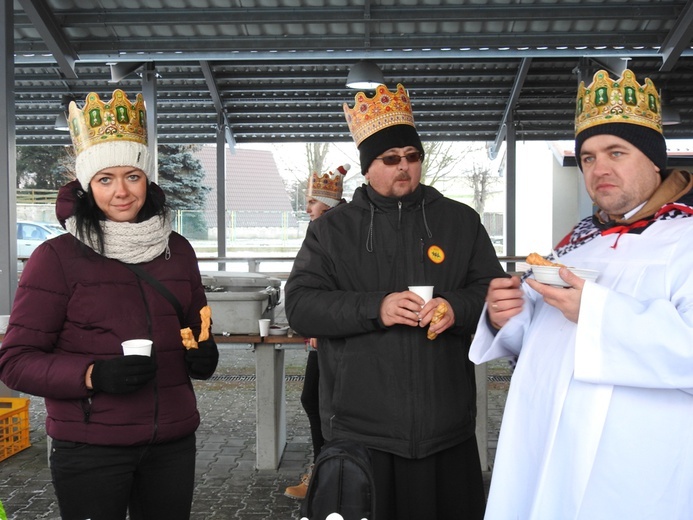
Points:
x=436 y=254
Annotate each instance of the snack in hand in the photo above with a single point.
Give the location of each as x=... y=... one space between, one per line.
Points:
x=186 y=334
x=437 y=316
x=537 y=259
x=206 y=315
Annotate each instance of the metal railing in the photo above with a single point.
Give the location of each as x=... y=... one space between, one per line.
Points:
x=254 y=263
x=36 y=196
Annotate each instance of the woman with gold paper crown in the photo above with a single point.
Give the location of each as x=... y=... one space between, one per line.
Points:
x=324 y=193
x=598 y=424
x=122 y=427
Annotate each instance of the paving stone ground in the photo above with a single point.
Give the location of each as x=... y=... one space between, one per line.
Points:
x=227 y=484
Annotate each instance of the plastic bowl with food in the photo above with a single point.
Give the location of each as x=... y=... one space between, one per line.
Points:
x=549 y=275
x=278 y=330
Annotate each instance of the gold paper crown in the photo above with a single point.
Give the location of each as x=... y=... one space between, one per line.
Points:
x=617 y=101
x=113 y=121
x=385 y=108
x=329 y=185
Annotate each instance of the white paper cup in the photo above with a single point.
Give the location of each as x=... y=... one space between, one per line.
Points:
x=4 y=322
x=137 y=347
x=425 y=291
x=264 y=327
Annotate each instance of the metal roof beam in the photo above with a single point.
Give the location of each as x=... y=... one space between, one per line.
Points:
x=48 y=28
x=678 y=38
x=27 y=55
x=354 y=44
x=373 y=14
x=512 y=101
x=218 y=103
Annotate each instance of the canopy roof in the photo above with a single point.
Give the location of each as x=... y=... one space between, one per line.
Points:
x=275 y=70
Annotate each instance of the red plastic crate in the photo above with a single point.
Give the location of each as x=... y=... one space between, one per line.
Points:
x=14 y=425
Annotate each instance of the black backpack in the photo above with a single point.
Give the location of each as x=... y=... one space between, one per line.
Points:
x=341 y=482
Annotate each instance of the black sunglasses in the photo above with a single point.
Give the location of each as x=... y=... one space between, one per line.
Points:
x=394 y=160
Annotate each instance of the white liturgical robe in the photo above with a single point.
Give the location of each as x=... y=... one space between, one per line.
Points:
x=598 y=423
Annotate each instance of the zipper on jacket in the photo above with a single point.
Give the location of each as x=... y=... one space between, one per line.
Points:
x=399 y=214
x=421 y=252
x=86 y=409
x=414 y=431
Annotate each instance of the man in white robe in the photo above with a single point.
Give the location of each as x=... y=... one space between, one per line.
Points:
x=598 y=424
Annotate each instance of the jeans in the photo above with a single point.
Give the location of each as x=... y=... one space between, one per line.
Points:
x=153 y=482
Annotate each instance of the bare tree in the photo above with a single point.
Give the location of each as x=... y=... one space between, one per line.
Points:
x=442 y=161
x=478 y=174
x=315 y=155
x=447 y=162
x=439 y=162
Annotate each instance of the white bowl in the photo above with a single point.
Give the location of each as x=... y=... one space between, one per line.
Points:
x=278 y=330
x=549 y=274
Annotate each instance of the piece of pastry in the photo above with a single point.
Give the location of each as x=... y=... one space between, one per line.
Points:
x=437 y=316
x=186 y=335
x=537 y=259
x=206 y=315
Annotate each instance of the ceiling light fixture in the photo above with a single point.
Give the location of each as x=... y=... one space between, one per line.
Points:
x=121 y=70
x=670 y=115
x=61 y=123
x=365 y=74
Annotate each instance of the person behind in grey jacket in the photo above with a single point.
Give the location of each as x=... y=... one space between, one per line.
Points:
x=123 y=426
x=411 y=400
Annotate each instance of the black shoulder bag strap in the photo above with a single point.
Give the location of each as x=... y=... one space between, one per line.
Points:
x=159 y=287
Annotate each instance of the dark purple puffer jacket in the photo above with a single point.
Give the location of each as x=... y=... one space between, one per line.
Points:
x=73 y=307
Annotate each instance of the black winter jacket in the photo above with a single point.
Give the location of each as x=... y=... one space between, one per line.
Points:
x=390 y=387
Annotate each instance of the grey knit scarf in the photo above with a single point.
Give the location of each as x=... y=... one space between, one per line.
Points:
x=127 y=242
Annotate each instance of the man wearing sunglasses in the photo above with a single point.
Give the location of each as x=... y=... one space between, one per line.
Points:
x=410 y=400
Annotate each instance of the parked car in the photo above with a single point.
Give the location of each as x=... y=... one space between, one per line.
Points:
x=31 y=234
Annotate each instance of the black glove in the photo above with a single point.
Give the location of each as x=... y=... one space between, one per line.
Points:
x=202 y=361
x=122 y=375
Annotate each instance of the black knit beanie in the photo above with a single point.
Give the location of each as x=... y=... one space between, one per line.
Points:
x=396 y=136
x=648 y=141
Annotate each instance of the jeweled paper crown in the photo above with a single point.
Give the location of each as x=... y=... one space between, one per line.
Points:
x=327 y=188
x=622 y=100
x=109 y=134
x=114 y=120
x=384 y=109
